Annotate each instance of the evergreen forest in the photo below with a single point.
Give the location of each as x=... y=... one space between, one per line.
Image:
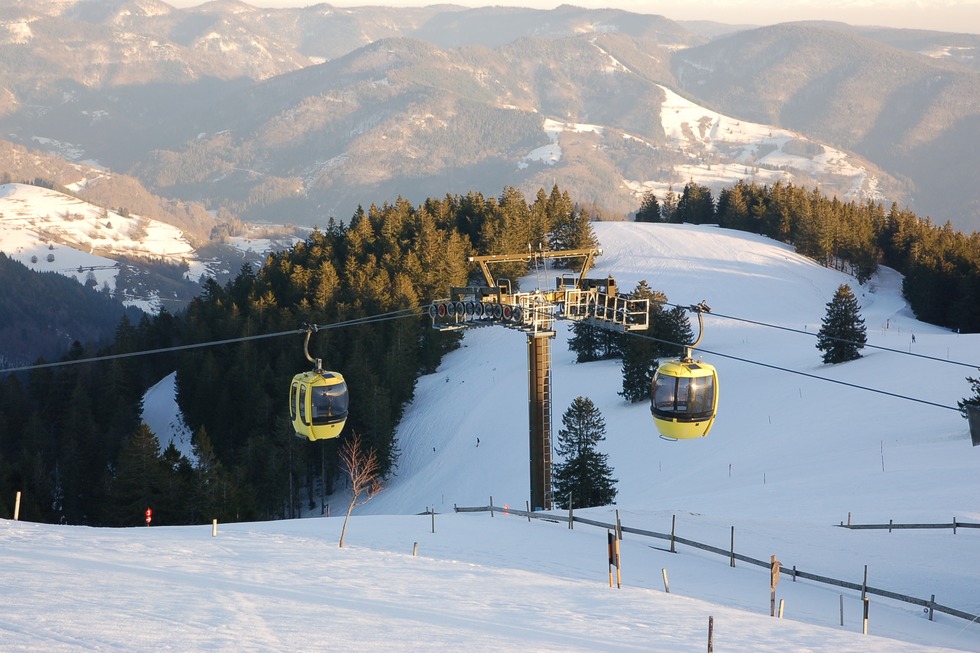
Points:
x=71 y=438
x=70 y=435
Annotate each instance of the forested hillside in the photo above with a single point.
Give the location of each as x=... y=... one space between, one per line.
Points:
x=42 y=314
x=70 y=437
x=71 y=441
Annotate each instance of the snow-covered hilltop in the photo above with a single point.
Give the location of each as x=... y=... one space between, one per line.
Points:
x=790 y=458
x=50 y=231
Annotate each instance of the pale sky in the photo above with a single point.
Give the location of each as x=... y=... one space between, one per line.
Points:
x=944 y=15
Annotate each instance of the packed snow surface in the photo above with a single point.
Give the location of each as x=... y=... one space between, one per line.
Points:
x=790 y=458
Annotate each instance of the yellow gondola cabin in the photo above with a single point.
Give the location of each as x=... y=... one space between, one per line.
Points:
x=318 y=402
x=684 y=399
x=684 y=393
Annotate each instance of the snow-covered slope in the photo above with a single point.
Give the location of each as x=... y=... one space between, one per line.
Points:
x=768 y=419
x=49 y=231
x=789 y=458
x=723 y=151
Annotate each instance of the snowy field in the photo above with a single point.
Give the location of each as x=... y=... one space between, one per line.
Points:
x=789 y=459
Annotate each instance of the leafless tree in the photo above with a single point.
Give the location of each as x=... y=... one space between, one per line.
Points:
x=361 y=465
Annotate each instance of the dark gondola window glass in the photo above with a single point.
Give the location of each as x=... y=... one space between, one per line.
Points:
x=702 y=395
x=329 y=403
x=293 y=390
x=664 y=393
x=302 y=405
x=683 y=396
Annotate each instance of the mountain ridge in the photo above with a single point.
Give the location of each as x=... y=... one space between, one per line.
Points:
x=216 y=111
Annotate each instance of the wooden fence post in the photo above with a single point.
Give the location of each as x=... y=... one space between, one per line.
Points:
x=732 y=557
x=571 y=513
x=619 y=526
x=867 y=602
x=17 y=507
x=711 y=634
x=673 y=524
x=663 y=572
x=773 y=581
x=841 y=609
x=491 y=505
x=214 y=528
x=415 y=550
x=932 y=603
x=614 y=560
x=434 y=519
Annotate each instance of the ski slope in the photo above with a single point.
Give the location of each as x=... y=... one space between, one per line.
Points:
x=789 y=459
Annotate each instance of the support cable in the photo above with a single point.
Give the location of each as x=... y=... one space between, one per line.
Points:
x=850 y=342
x=806 y=374
x=421 y=310
x=394 y=315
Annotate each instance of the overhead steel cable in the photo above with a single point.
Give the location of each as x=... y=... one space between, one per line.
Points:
x=814 y=335
x=799 y=373
x=394 y=315
x=419 y=311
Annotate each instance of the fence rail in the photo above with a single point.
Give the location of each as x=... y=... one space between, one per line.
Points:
x=897 y=527
x=929 y=604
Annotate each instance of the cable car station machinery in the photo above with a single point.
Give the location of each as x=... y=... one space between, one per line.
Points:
x=596 y=301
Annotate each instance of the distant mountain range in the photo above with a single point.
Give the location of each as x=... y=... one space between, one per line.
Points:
x=296 y=115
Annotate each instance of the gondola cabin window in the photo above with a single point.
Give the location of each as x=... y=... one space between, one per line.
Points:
x=682 y=395
x=664 y=394
x=302 y=405
x=329 y=403
x=293 y=393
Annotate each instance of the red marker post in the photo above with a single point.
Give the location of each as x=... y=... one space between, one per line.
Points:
x=149 y=516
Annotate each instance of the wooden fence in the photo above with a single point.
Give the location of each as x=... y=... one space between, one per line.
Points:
x=891 y=526
x=929 y=605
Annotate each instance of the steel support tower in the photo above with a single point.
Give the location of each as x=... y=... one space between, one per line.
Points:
x=593 y=300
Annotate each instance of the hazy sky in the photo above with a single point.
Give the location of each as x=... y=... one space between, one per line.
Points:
x=945 y=15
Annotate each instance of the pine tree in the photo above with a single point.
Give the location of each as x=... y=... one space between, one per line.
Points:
x=668 y=207
x=970 y=407
x=695 y=206
x=586 y=342
x=638 y=367
x=584 y=475
x=666 y=334
x=649 y=209
x=733 y=209
x=140 y=479
x=572 y=231
x=843 y=334
x=640 y=353
x=975 y=399
x=673 y=328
